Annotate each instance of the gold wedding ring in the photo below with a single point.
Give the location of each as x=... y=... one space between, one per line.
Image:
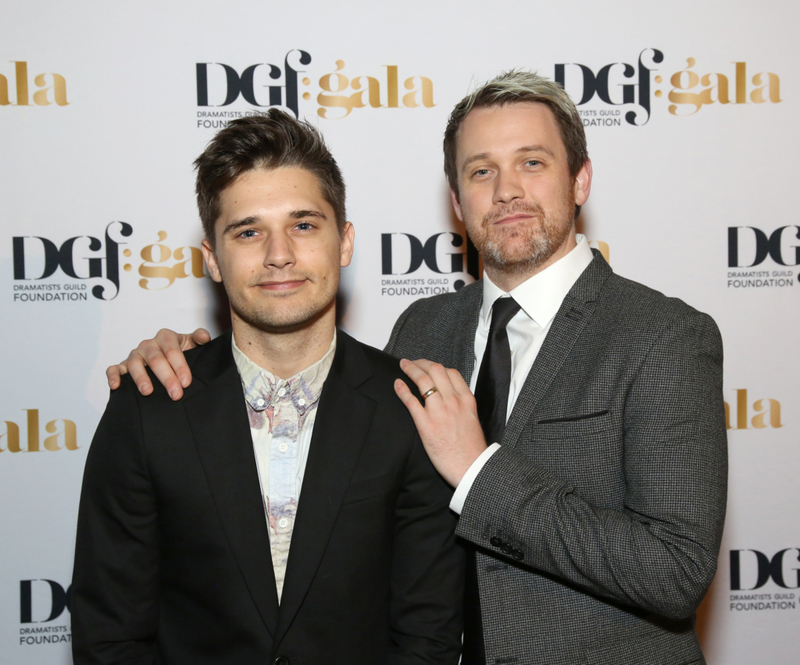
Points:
x=430 y=392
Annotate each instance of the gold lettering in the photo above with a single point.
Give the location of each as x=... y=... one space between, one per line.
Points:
x=721 y=87
x=741 y=82
x=426 y=90
x=773 y=84
x=4 y=100
x=392 y=94
x=12 y=432
x=70 y=436
x=59 y=90
x=149 y=271
x=334 y=101
x=774 y=412
x=741 y=409
x=33 y=430
x=692 y=79
x=196 y=260
x=374 y=89
x=21 y=69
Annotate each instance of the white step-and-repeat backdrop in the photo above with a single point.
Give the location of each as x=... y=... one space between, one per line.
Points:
x=692 y=121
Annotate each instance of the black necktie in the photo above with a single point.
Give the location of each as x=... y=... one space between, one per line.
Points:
x=491 y=389
x=491 y=393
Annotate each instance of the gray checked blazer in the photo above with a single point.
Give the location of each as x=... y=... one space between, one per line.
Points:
x=599 y=519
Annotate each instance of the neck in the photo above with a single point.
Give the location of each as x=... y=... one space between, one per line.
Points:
x=285 y=353
x=508 y=278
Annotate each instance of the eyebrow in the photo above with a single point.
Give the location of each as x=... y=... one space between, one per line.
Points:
x=248 y=221
x=522 y=150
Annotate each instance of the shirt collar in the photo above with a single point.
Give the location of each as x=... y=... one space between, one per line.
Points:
x=541 y=296
x=262 y=388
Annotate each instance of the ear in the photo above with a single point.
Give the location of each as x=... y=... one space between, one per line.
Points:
x=211 y=261
x=583 y=183
x=347 y=243
x=456 y=206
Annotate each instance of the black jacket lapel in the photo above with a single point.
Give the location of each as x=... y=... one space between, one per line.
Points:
x=344 y=418
x=217 y=413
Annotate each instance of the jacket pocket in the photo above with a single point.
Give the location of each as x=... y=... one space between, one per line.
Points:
x=573 y=425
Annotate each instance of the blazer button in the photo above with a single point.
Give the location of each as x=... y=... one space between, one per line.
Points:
x=506 y=548
x=281 y=660
x=518 y=555
x=495 y=541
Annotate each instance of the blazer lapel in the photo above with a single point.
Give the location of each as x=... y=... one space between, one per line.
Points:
x=218 y=419
x=456 y=335
x=343 y=420
x=569 y=323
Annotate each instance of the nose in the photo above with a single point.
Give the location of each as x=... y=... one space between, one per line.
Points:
x=279 y=251
x=507 y=187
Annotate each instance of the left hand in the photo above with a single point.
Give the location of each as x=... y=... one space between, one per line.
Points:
x=448 y=421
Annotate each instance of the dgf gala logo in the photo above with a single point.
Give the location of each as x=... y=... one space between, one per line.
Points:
x=752 y=570
x=42 y=602
x=46 y=271
x=37 y=258
x=750 y=247
x=404 y=253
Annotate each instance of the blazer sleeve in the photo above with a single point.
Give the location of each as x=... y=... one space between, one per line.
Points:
x=427 y=570
x=115 y=578
x=658 y=550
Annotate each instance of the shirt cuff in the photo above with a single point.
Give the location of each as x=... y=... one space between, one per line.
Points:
x=460 y=496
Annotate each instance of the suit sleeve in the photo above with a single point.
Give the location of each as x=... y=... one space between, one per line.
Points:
x=115 y=578
x=658 y=551
x=427 y=570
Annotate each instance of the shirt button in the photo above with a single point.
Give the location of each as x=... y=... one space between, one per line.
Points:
x=281 y=392
x=283 y=447
x=301 y=402
x=259 y=402
x=283 y=522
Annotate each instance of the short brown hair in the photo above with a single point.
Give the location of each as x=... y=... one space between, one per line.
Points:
x=264 y=141
x=518 y=86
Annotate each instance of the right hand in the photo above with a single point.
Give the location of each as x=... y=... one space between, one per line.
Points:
x=164 y=355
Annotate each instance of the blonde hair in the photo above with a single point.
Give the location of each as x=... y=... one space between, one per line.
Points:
x=509 y=88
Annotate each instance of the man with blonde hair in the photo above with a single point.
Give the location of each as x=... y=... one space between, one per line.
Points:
x=594 y=516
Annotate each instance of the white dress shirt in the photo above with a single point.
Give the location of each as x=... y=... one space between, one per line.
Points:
x=540 y=298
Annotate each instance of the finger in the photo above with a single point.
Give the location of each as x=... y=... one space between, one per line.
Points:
x=114 y=375
x=438 y=376
x=136 y=368
x=459 y=385
x=415 y=408
x=420 y=377
x=165 y=356
x=197 y=338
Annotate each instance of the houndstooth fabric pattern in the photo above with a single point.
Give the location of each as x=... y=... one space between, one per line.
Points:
x=611 y=480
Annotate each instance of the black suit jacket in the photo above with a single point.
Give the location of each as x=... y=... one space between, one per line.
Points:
x=173 y=559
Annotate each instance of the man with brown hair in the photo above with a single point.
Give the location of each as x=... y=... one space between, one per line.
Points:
x=594 y=528
x=284 y=511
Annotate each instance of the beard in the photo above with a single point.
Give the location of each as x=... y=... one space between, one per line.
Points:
x=522 y=248
x=285 y=312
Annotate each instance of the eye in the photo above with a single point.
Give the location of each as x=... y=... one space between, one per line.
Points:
x=304 y=226
x=533 y=162
x=480 y=173
x=248 y=233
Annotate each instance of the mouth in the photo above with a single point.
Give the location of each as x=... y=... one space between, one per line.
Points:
x=509 y=219
x=281 y=285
